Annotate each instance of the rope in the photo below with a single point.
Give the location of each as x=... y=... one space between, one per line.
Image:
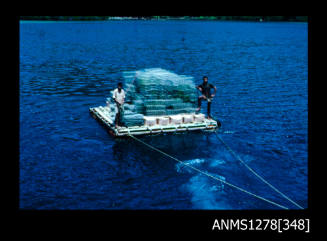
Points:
x=256 y=174
x=209 y=175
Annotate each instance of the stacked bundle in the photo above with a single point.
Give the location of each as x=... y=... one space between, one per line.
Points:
x=156 y=92
x=160 y=92
x=133 y=119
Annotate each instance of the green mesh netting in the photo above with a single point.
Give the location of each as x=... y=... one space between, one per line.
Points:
x=160 y=92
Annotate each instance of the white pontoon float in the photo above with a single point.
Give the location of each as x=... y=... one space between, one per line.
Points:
x=155 y=124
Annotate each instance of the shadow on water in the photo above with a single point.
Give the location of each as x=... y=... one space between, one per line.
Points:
x=183 y=146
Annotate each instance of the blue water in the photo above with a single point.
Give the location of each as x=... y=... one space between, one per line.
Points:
x=69 y=161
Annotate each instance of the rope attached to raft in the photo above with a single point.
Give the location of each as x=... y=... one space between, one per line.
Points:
x=209 y=175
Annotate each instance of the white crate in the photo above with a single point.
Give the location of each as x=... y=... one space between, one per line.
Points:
x=188 y=119
x=176 y=119
x=163 y=121
x=199 y=118
x=150 y=121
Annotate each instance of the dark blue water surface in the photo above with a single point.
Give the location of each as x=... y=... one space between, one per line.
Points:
x=69 y=161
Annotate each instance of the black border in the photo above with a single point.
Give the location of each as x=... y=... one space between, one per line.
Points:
x=129 y=222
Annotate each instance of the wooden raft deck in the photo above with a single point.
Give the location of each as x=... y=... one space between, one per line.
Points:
x=100 y=114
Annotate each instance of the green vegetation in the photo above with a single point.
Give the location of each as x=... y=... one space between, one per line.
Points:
x=222 y=18
x=64 y=18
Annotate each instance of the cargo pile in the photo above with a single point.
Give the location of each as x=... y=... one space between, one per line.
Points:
x=157 y=92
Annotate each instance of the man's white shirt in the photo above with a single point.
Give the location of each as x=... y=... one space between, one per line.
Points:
x=119 y=97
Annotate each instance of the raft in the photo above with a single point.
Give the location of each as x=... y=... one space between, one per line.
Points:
x=155 y=124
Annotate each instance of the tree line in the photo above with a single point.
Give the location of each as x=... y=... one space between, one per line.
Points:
x=223 y=18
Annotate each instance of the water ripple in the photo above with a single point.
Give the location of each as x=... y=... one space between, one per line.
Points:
x=68 y=160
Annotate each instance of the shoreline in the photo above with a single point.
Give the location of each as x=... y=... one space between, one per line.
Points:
x=165 y=18
x=161 y=20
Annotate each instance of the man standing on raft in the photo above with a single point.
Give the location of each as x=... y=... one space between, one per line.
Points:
x=205 y=89
x=119 y=97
